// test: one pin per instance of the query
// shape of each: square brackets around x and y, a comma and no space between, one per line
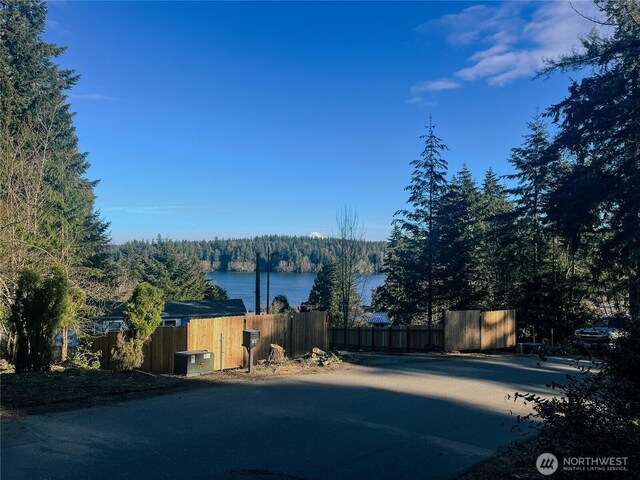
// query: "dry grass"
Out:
[63,389]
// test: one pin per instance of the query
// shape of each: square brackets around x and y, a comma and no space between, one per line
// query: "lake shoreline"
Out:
[296,286]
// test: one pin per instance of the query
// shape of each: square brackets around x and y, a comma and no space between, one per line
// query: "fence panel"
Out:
[498,329]
[394,338]
[297,333]
[221,336]
[461,330]
[308,330]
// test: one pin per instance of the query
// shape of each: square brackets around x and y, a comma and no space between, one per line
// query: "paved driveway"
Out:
[396,417]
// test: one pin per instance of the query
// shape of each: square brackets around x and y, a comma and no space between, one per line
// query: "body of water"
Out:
[296,286]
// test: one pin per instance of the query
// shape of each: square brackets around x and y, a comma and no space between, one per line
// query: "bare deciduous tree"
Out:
[350,233]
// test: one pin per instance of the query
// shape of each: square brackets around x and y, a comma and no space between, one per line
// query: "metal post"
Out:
[268,275]
[257,284]
[250,359]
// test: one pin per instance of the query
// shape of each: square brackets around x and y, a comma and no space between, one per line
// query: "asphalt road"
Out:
[396,417]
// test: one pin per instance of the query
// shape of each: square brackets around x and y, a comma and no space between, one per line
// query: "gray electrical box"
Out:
[192,362]
[250,338]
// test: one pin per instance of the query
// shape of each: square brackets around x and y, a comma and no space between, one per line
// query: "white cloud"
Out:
[434,86]
[90,96]
[514,38]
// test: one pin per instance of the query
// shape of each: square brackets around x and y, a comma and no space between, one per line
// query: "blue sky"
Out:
[238,119]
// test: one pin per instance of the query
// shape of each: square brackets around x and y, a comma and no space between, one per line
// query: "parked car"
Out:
[602,334]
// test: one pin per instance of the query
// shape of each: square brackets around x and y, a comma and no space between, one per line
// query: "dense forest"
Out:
[560,241]
[288,253]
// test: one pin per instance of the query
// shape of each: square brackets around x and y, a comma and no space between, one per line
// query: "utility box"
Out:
[250,338]
[193,362]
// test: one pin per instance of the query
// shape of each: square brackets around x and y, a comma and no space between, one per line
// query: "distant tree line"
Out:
[288,253]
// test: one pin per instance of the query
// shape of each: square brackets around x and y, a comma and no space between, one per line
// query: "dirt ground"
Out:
[71,388]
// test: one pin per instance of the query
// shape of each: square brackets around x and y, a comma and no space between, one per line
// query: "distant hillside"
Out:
[289,254]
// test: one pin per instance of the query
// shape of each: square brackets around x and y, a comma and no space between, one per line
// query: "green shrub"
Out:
[40,307]
[142,314]
[127,355]
[597,413]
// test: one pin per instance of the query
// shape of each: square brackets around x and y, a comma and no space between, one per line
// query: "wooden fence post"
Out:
[373,338]
[480,328]
[408,349]
[359,338]
[290,346]
[444,330]
[390,332]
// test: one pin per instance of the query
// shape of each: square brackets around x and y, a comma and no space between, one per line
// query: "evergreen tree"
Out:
[280,304]
[496,254]
[396,296]
[143,315]
[213,291]
[599,129]
[427,186]
[47,215]
[532,163]
[459,233]
[180,277]
[324,294]
[41,306]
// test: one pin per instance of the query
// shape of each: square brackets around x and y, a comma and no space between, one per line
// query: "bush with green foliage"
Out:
[597,413]
[84,358]
[127,354]
[40,307]
[142,315]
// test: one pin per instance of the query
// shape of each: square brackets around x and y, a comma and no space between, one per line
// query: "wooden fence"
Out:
[477,330]
[409,338]
[297,333]
[460,330]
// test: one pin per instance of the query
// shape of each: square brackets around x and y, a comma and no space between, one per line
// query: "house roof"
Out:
[377,318]
[188,309]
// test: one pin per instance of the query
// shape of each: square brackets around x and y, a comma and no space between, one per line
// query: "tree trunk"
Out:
[64,349]
[634,293]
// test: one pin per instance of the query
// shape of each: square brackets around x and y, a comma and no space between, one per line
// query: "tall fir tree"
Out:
[534,177]
[427,186]
[325,293]
[599,130]
[47,215]
[496,255]
[396,295]
[459,235]
[160,263]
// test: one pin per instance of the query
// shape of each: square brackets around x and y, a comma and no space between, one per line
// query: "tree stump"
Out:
[276,353]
